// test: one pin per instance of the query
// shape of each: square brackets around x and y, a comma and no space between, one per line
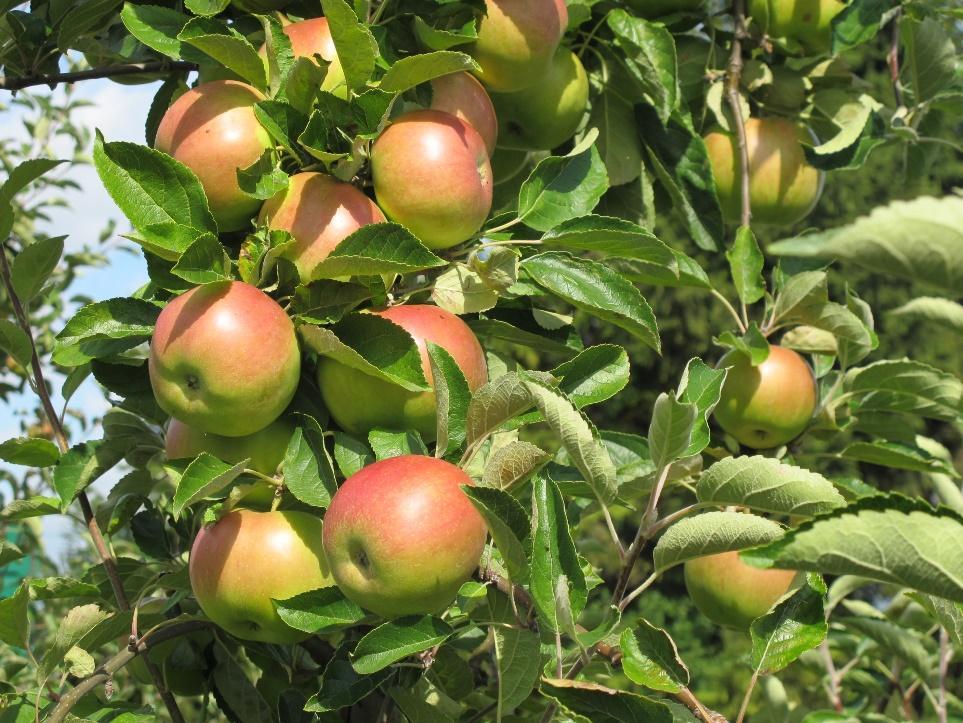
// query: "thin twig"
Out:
[733,80]
[748,696]
[627,600]
[111,71]
[892,58]
[731,309]
[946,655]
[834,696]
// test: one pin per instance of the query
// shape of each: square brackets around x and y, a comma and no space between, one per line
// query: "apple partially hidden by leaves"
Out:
[731,593]
[807,22]
[359,402]
[432,174]
[212,130]
[548,114]
[783,187]
[461,95]
[224,359]
[265,448]
[766,405]
[319,212]
[402,537]
[313,37]
[247,559]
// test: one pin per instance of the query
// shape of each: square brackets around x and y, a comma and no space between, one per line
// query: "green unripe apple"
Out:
[546,115]
[402,537]
[265,448]
[807,22]
[431,173]
[246,559]
[359,402]
[224,359]
[212,130]
[767,405]
[517,40]
[461,95]
[658,8]
[319,212]
[731,593]
[783,187]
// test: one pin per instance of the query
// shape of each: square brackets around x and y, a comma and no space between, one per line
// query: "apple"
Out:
[767,405]
[731,593]
[313,37]
[546,115]
[265,448]
[402,537]
[359,402]
[224,359]
[319,212]
[658,8]
[788,89]
[464,97]
[431,174]
[783,187]
[807,22]
[212,130]
[246,559]
[517,40]
[181,661]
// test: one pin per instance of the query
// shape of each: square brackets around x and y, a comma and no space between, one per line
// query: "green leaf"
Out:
[886,538]
[204,262]
[513,464]
[897,456]
[351,455]
[157,28]
[929,57]
[453,397]
[767,485]
[342,686]
[649,56]
[58,588]
[414,70]
[372,345]
[15,342]
[105,328]
[618,144]
[31,507]
[327,301]
[944,312]
[596,289]
[33,266]
[508,524]
[562,188]
[460,290]
[9,552]
[30,452]
[23,175]
[650,658]
[81,465]
[903,643]
[701,385]
[417,707]
[948,614]
[598,704]
[228,47]
[670,431]
[308,469]
[802,297]
[793,626]
[356,46]
[594,375]
[746,263]
[858,23]
[14,623]
[72,630]
[397,639]
[283,122]
[578,436]
[497,402]
[264,178]
[204,477]
[557,583]
[711,533]
[234,691]
[906,386]
[519,661]
[375,249]
[321,611]
[611,237]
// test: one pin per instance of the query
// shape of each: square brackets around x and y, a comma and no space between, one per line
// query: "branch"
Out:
[110,71]
[105,671]
[745,701]
[106,558]
[733,80]
[946,655]
[892,58]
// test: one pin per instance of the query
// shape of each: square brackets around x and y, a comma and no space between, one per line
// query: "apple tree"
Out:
[364,455]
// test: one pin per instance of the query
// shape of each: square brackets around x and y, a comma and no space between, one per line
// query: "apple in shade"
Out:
[766,405]
[265,448]
[319,212]
[212,130]
[808,22]
[783,187]
[461,95]
[731,593]
[246,559]
[546,115]
[402,537]
[517,40]
[431,173]
[359,402]
[224,359]
[313,37]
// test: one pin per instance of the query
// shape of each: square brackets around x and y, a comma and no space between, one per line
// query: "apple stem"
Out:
[748,696]
[731,309]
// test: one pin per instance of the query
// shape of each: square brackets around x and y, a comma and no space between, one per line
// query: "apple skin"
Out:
[783,187]
[265,448]
[545,116]
[313,37]
[461,95]
[808,22]
[517,40]
[224,359]
[402,537]
[240,563]
[359,402]
[658,8]
[768,405]
[731,593]
[432,174]
[212,130]
[319,212]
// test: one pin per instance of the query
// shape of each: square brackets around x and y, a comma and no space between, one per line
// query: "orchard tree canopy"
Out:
[499,360]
